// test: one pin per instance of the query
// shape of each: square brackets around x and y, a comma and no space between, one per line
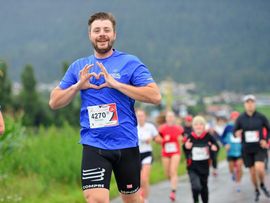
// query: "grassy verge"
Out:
[44,165]
[262,109]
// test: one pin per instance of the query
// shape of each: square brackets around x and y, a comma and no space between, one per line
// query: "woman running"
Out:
[146,132]
[170,136]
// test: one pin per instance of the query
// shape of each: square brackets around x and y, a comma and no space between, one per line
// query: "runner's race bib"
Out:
[200,153]
[102,115]
[252,136]
[170,147]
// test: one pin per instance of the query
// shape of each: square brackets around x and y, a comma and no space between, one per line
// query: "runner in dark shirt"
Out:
[250,126]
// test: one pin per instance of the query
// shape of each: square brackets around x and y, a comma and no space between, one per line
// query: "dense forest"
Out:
[218,44]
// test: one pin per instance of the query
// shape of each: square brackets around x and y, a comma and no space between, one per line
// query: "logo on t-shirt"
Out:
[116,75]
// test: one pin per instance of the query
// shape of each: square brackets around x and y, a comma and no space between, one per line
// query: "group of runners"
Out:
[109,82]
[117,139]
[245,139]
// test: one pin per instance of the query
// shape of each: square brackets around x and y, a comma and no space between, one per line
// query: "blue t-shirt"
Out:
[234,142]
[120,128]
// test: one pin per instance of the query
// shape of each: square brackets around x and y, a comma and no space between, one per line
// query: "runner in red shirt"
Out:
[170,136]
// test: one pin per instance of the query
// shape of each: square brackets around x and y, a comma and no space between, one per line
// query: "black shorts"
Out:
[98,164]
[146,158]
[233,158]
[251,158]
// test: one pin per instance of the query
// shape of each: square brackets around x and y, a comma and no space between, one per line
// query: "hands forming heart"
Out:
[85,76]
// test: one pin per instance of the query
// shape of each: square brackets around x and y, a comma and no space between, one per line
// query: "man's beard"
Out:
[103,50]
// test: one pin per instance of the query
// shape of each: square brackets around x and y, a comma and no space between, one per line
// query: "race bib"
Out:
[235,139]
[200,153]
[252,136]
[170,147]
[102,115]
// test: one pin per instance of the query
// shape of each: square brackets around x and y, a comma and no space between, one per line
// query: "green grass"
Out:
[44,165]
[262,109]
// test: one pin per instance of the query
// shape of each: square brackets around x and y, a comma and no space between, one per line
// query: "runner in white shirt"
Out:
[146,133]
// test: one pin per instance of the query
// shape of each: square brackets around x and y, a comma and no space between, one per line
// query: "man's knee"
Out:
[96,196]
[131,198]
[259,165]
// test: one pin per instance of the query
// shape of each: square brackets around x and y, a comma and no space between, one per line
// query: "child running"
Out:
[233,147]
[197,149]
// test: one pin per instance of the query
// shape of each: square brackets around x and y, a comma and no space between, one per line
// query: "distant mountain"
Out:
[217,44]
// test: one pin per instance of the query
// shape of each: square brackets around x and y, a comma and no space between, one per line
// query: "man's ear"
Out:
[115,35]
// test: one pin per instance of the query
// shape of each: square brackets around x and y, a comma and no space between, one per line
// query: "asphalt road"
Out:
[221,189]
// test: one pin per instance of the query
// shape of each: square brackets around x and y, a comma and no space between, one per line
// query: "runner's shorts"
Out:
[98,164]
[233,158]
[251,158]
[146,158]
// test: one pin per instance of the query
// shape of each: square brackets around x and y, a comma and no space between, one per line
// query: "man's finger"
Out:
[102,67]
[98,87]
[100,74]
[103,85]
[93,86]
[86,69]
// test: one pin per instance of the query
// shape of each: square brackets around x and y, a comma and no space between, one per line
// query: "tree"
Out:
[29,99]
[5,86]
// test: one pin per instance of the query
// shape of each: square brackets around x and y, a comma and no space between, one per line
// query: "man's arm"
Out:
[2,124]
[267,126]
[61,97]
[265,142]
[149,93]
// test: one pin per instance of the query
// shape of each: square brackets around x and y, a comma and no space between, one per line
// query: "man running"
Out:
[109,82]
[2,123]
[250,126]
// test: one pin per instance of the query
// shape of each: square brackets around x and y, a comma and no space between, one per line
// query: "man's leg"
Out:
[260,170]
[97,195]
[249,161]
[127,169]
[253,176]
[132,198]
[96,175]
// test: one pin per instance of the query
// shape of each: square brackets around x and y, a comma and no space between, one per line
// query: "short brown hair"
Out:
[102,16]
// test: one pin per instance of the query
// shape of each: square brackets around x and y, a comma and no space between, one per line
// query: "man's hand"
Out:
[214,148]
[264,144]
[85,76]
[109,80]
